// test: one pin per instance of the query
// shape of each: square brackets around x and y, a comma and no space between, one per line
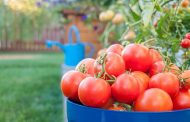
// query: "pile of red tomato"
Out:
[132,78]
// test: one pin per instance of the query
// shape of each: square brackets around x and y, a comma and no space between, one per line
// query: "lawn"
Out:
[29,89]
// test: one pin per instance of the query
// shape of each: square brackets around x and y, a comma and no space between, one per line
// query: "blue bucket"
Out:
[79,113]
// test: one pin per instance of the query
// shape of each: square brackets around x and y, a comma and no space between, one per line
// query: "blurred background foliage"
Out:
[161,23]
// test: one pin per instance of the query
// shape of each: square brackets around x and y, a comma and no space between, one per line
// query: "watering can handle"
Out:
[92,49]
[77,34]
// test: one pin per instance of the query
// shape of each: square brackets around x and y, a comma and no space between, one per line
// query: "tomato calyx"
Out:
[82,68]
[126,107]
[169,66]
[183,82]
[103,74]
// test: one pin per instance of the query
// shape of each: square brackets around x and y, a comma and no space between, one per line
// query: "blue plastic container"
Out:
[80,113]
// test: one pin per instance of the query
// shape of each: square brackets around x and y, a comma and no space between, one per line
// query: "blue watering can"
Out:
[74,52]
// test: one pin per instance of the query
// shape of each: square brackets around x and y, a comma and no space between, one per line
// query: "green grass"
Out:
[29,89]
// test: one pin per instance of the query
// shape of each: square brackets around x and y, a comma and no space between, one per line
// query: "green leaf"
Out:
[148,10]
[134,14]
[133,2]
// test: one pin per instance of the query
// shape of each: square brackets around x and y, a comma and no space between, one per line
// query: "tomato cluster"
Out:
[128,78]
[185,43]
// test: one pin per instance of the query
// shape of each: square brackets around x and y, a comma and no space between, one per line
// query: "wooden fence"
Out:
[36,44]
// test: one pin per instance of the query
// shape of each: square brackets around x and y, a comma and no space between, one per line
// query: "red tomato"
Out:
[156,68]
[185,3]
[159,66]
[115,48]
[187,36]
[182,100]
[108,104]
[174,69]
[153,100]
[136,57]
[186,76]
[142,79]
[165,81]
[89,65]
[125,89]
[117,108]
[185,43]
[70,83]
[94,92]
[114,64]
[155,55]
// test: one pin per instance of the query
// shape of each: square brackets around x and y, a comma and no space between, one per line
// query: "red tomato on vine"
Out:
[137,57]
[115,48]
[94,92]
[125,89]
[153,100]
[70,83]
[88,64]
[165,81]
[114,64]
[182,100]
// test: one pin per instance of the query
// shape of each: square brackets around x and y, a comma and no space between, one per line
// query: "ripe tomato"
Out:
[174,69]
[114,64]
[185,3]
[109,103]
[117,108]
[153,100]
[182,100]
[185,43]
[142,79]
[186,76]
[159,66]
[70,83]
[125,89]
[155,55]
[187,36]
[94,92]
[115,48]
[156,68]
[89,65]
[136,57]
[165,81]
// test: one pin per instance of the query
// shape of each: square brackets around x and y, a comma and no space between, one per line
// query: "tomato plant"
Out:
[165,81]
[125,89]
[136,57]
[153,100]
[94,92]
[87,64]
[182,100]
[112,63]
[70,83]
[142,79]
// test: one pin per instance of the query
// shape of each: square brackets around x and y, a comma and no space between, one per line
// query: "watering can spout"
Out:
[50,43]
